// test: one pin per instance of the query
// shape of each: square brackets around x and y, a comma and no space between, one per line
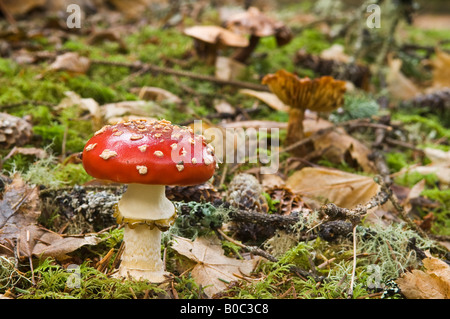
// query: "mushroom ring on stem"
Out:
[147,155]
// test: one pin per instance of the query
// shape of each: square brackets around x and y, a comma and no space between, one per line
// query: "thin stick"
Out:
[181,73]
[352,281]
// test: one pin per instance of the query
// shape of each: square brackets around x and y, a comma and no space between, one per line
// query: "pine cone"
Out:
[288,201]
[245,192]
[14,131]
[438,101]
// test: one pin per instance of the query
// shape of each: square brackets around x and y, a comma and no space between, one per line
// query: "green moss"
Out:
[55,282]
[429,125]
[356,106]
[409,179]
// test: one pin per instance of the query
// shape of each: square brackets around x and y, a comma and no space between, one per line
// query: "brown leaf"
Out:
[337,145]
[441,65]
[19,208]
[268,98]
[343,189]
[399,86]
[433,283]
[440,165]
[40,242]
[71,62]
[212,266]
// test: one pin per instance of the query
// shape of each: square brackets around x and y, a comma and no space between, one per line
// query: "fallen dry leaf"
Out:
[42,243]
[151,93]
[213,269]
[343,189]
[228,68]
[19,208]
[440,165]
[87,104]
[113,112]
[337,145]
[268,98]
[441,65]
[433,283]
[413,193]
[71,62]
[399,86]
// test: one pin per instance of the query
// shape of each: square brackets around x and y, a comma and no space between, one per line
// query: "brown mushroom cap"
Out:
[323,94]
[216,35]
[149,152]
[256,23]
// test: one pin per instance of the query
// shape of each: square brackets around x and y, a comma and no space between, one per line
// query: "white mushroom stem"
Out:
[142,255]
[145,202]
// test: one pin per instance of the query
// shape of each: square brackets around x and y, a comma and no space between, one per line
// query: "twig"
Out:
[259,252]
[24,102]
[253,250]
[352,281]
[157,69]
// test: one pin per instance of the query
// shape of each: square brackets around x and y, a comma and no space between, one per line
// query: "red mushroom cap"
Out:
[149,152]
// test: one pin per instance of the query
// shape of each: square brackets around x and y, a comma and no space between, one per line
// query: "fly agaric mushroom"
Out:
[256,24]
[147,155]
[209,39]
[323,94]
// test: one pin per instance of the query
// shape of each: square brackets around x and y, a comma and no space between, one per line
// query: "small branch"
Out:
[259,252]
[157,69]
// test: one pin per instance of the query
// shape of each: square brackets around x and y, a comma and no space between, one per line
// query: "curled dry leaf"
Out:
[212,269]
[399,86]
[440,165]
[40,242]
[114,112]
[343,189]
[268,98]
[433,283]
[87,104]
[71,62]
[150,93]
[441,65]
[338,146]
[19,208]
[228,68]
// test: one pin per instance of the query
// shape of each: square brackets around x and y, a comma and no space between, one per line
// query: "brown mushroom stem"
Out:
[295,131]
[206,51]
[243,54]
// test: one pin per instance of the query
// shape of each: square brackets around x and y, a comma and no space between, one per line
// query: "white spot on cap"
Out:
[142,169]
[101,130]
[90,147]
[142,148]
[159,153]
[136,137]
[180,167]
[106,154]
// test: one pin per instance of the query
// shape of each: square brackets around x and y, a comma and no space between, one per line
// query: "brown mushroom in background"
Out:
[256,24]
[323,94]
[209,39]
